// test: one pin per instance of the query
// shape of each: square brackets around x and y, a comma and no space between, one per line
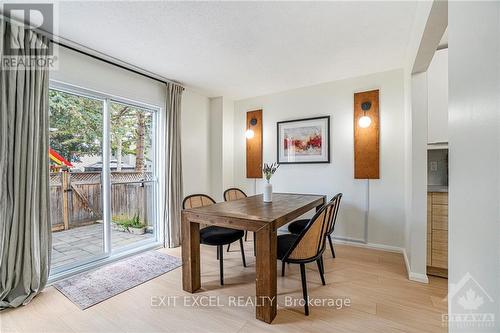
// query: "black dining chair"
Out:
[296,227]
[308,246]
[232,194]
[215,235]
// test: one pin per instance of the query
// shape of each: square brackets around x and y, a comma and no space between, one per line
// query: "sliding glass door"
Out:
[133,176]
[76,205]
[103,183]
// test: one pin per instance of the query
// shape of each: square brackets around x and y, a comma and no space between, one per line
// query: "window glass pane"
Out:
[133,182]
[76,131]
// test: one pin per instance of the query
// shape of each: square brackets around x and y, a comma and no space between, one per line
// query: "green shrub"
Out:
[136,222]
[126,221]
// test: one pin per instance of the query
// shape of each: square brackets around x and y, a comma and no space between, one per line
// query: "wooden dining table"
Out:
[252,214]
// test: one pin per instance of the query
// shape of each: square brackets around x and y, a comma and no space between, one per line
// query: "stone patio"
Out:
[84,242]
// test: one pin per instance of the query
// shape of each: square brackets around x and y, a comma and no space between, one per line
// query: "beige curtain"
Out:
[25,239]
[173,166]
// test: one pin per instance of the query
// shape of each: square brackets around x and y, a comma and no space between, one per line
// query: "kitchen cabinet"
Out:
[437,234]
[437,98]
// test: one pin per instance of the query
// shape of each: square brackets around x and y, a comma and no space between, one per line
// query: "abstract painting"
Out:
[304,140]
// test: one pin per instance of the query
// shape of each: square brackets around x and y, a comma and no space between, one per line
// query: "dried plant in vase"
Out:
[268,171]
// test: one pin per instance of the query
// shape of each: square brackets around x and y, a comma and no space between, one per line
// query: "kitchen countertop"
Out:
[437,188]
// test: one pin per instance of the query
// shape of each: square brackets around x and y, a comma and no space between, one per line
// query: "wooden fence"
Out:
[76,198]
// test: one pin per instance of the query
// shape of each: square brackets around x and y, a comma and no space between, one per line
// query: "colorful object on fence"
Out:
[54,156]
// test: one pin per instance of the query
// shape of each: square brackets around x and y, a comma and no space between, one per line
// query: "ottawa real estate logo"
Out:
[471,307]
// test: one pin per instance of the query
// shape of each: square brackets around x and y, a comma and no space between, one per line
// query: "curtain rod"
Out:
[111,62]
[118,63]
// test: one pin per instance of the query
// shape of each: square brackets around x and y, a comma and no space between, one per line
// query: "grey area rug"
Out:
[89,288]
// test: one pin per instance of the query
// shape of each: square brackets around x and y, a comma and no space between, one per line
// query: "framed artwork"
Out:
[304,141]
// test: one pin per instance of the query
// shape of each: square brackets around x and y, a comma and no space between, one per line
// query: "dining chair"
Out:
[232,194]
[296,227]
[308,246]
[215,235]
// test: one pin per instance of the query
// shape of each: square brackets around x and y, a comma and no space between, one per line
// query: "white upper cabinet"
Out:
[437,85]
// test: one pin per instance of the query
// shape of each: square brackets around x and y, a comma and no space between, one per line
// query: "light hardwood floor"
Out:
[382,300]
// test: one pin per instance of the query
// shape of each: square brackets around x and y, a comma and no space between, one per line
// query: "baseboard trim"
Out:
[417,277]
[360,243]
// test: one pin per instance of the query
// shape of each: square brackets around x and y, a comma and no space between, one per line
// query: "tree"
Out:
[139,150]
[118,131]
[130,126]
[76,124]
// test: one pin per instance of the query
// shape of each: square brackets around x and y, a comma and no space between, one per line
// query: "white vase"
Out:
[268,192]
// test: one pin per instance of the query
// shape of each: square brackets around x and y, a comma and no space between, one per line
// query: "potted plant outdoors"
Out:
[136,227]
[268,171]
[119,223]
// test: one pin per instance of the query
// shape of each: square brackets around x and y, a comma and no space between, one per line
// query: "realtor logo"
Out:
[34,16]
[471,301]
[470,296]
[24,19]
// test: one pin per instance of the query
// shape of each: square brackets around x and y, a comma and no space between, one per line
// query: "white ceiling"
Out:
[244,49]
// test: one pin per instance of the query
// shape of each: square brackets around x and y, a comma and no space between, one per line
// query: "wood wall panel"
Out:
[254,145]
[366,140]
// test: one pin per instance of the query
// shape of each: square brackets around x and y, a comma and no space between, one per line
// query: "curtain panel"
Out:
[25,239]
[173,166]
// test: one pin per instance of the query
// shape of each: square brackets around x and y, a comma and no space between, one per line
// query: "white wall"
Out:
[386,223]
[195,134]
[216,149]
[227,143]
[437,84]
[419,27]
[418,180]
[221,146]
[474,151]
[408,163]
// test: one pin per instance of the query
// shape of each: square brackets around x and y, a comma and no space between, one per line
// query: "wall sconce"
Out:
[254,144]
[366,123]
[365,120]
[249,132]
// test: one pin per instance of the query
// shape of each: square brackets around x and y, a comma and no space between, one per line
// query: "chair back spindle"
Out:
[234,194]
[197,200]
[336,205]
[311,242]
